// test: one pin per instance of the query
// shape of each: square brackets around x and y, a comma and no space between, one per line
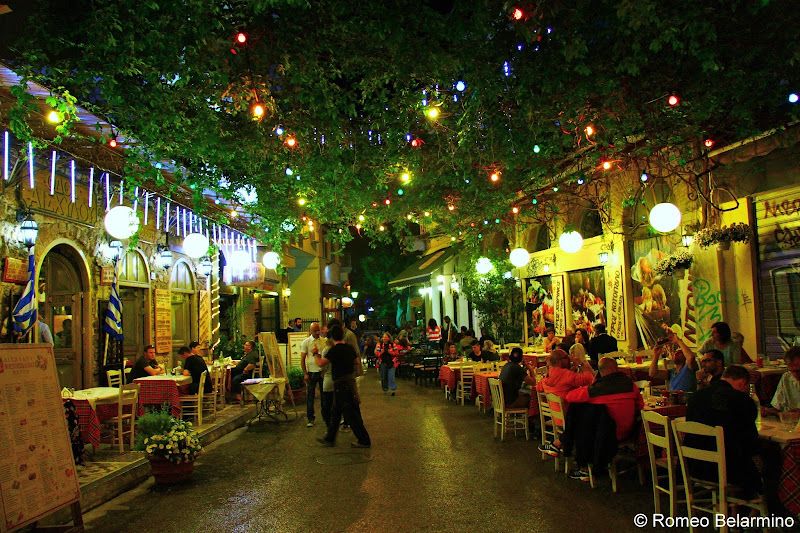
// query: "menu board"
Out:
[615,298]
[559,305]
[37,470]
[204,322]
[296,339]
[163,320]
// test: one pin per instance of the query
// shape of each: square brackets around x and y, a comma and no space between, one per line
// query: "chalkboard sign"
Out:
[37,470]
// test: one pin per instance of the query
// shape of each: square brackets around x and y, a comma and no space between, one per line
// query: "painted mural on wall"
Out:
[656,299]
[539,305]
[587,290]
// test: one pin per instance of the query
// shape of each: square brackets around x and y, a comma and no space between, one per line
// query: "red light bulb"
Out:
[515,210]
[241,38]
[112,143]
[709,143]
[673,100]
[387,201]
[518,14]
[416,143]
[374,204]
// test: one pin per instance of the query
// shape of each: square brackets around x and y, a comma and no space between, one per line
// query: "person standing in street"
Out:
[342,358]
[313,344]
[387,360]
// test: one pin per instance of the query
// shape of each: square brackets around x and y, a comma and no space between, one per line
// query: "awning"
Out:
[420,272]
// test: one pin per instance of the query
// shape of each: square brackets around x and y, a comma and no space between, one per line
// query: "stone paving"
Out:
[434,466]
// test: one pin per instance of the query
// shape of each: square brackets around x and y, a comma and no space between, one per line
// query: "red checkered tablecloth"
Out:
[789,482]
[480,385]
[670,411]
[90,420]
[158,393]
[449,377]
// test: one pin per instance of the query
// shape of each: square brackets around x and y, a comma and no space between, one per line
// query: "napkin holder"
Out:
[66,392]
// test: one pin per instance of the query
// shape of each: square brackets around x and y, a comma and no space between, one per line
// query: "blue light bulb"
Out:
[279,131]
[644,177]
[580,181]
[289,171]
[460,85]
[793,98]
[536,149]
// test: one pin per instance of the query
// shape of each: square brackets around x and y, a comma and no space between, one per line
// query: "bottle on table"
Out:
[754,397]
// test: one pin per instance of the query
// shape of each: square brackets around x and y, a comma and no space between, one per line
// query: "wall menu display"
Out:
[163,320]
[615,298]
[37,470]
[559,305]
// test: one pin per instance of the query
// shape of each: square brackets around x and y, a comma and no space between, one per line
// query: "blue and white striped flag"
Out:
[25,312]
[113,323]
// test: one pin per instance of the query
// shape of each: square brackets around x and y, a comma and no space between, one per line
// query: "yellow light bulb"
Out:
[427,214]
[301,201]
[433,112]
[258,110]
[361,218]
[606,165]
[409,217]
[53,117]
[234,214]
[589,130]
[358,226]
[405,177]
[381,228]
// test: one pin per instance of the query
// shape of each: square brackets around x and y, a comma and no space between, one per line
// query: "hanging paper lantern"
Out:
[121,222]
[483,265]
[665,217]
[570,241]
[271,260]
[195,245]
[519,257]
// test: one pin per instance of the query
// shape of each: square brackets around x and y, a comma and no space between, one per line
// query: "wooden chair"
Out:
[125,422]
[210,400]
[661,449]
[546,423]
[644,386]
[222,389]
[464,385]
[127,373]
[721,492]
[257,371]
[192,404]
[114,378]
[625,453]
[507,419]
[558,419]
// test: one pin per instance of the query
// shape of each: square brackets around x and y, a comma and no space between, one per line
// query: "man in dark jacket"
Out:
[725,403]
[602,343]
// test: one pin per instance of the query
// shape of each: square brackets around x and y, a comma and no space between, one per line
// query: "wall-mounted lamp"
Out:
[687,239]
[115,249]
[165,257]
[456,286]
[603,257]
[28,229]
[287,292]
[206,266]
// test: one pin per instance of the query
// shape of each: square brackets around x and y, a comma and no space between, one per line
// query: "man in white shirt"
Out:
[787,397]
[45,335]
[313,344]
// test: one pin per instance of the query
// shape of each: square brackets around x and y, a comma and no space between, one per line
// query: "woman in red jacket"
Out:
[387,361]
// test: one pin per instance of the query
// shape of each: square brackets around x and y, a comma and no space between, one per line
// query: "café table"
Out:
[93,406]
[269,393]
[449,376]
[765,380]
[160,390]
[480,386]
[789,480]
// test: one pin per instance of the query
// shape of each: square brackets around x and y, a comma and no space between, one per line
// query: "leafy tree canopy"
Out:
[354,83]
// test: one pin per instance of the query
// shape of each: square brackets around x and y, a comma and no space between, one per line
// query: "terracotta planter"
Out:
[723,245]
[167,472]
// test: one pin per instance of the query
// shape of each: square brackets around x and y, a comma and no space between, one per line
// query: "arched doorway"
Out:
[184,305]
[134,285]
[60,295]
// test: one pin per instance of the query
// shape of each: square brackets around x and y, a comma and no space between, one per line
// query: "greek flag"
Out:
[26,311]
[113,323]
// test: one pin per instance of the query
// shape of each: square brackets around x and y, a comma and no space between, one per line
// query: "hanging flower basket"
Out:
[722,237]
[674,264]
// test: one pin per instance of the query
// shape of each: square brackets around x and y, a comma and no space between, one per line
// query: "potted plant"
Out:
[171,445]
[722,237]
[294,375]
[674,264]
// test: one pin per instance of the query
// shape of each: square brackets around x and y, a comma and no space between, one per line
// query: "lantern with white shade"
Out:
[121,222]
[665,217]
[271,260]
[195,245]
[519,257]
[483,265]
[570,241]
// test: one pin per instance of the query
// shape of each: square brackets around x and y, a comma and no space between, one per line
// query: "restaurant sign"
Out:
[163,320]
[60,203]
[15,270]
[250,276]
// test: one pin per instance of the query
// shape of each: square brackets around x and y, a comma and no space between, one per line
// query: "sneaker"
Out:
[359,445]
[310,424]
[345,427]
[579,473]
[392,393]
[325,442]
[550,449]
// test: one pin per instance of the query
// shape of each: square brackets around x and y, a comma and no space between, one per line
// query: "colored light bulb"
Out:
[460,85]
[241,38]
[673,100]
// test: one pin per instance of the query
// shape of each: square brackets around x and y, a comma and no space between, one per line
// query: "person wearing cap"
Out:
[517,378]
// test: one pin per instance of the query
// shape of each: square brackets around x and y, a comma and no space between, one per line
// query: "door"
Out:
[268,313]
[133,321]
[181,321]
[61,293]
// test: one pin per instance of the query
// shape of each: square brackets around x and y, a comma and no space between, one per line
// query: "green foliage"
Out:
[228,348]
[151,423]
[294,374]
[355,71]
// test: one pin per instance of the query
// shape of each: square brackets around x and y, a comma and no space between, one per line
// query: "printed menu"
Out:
[37,470]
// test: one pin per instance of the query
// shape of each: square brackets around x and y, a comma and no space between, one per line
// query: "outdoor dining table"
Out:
[449,375]
[480,386]
[765,380]
[160,390]
[93,406]
[270,404]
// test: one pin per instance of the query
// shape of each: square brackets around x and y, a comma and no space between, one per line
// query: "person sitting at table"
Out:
[722,340]
[738,338]
[485,336]
[488,353]
[488,346]
[712,363]
[450,353]
[476,355]
[244,370]
[517,378]
[466,342]
[684,375]
[578,349]
[622,400]
[194,365]
[146,365]
[550,340]
[787,395]
[726,403]
[564,374]
[602,343]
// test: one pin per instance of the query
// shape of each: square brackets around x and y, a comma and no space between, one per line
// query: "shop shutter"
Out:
[778,239]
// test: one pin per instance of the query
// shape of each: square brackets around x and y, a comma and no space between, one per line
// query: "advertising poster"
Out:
[588,291]
[656,299]
[539,306]
[616,303]
[559,305]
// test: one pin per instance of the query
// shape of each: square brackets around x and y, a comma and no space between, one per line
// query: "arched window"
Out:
[591,225]
[542,239]
[133,270]
[182,279]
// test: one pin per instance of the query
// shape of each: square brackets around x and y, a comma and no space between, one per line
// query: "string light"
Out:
[589,131]
[409,216]
[112,143]
[381,227]
[644,177]
[361,218]
[258,110]
[427,213]
[451,207]
[495,177]
[581,181]
[793,98]
[518,14]
[673,100]
[708,143]
[405,177]
[301,201]
[54,117]
[460,85]
[290,142]
[279,130]
[387,201]
[606,165]
[515,210]
[536,149]
[433,112]
[241,38]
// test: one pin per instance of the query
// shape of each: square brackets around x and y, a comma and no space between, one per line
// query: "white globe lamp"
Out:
[483,265]
[519,257]
[570,241]
[271,260]
[347,302]
[121,222]
[195,245]
[362,318]
[665,217]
